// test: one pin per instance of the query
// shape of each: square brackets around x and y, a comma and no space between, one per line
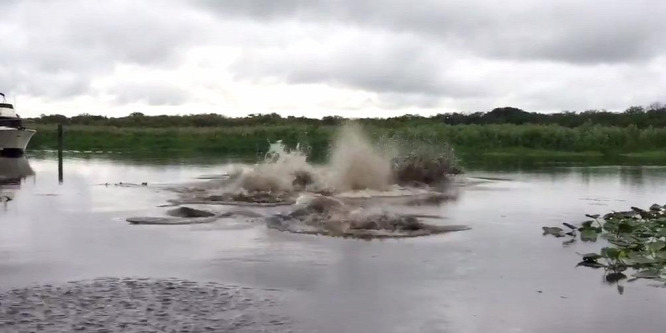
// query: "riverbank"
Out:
[478,140]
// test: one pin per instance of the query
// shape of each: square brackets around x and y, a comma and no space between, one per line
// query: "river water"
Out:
[500,276]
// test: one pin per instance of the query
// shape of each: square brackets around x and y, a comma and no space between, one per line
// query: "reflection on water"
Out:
[12,172]
[501,276]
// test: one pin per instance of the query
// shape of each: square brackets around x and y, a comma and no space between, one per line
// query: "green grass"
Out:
[530,152]
[658,155]
[468,140]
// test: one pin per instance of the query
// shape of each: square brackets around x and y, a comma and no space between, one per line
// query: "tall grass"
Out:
[254,140]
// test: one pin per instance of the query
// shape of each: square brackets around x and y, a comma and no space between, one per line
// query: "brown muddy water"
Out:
[500,276]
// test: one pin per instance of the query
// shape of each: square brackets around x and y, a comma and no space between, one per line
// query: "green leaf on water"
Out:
[625,227]
[588,235]
[569,242]
[570,226]
[636,241]
[657,246]
[647,274]
[610,253]
[591,256]
[614,277]
[640,259]
[585,225]
[591,264]
[619,242]
[555,231]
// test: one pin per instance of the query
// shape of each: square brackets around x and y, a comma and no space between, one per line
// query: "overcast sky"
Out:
[351,58]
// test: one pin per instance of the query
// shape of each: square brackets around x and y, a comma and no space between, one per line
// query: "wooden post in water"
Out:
[60,147]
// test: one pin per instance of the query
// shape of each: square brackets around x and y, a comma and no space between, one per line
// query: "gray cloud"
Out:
[57,48]
[399,68]
[383,54]
[568,30]
[151,93]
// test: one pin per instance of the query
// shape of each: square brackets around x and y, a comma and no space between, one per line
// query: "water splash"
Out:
[356,168]
[282,170]
[356,164]
[345,197]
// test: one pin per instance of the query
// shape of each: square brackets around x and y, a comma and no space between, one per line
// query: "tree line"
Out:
[638,116]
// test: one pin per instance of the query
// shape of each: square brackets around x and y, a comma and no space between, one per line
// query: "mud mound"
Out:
[189,212]
[331,217]
[241,198]
[139,305]
[187,215]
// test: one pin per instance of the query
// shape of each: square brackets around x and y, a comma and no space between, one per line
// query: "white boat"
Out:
[14,138]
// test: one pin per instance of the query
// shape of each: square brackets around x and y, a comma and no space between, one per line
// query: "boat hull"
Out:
[13,142]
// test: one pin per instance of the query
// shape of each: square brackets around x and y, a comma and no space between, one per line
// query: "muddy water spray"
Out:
[355,164]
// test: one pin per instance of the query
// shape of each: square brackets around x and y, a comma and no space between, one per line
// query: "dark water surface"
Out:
[501,276]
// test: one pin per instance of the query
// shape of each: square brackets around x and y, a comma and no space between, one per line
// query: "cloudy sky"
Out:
[337,57]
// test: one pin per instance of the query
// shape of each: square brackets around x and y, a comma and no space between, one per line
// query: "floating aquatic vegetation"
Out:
[636,240]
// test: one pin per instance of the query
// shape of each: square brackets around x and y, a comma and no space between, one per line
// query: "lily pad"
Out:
[591,256]
[591,264]
[647,274]
[640,259]
[610,252]
[588,235]
[614,277]
[636,244]
[570,226]
[637,210]
[555,231]
[657,246]
[569,242]
[586,225]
